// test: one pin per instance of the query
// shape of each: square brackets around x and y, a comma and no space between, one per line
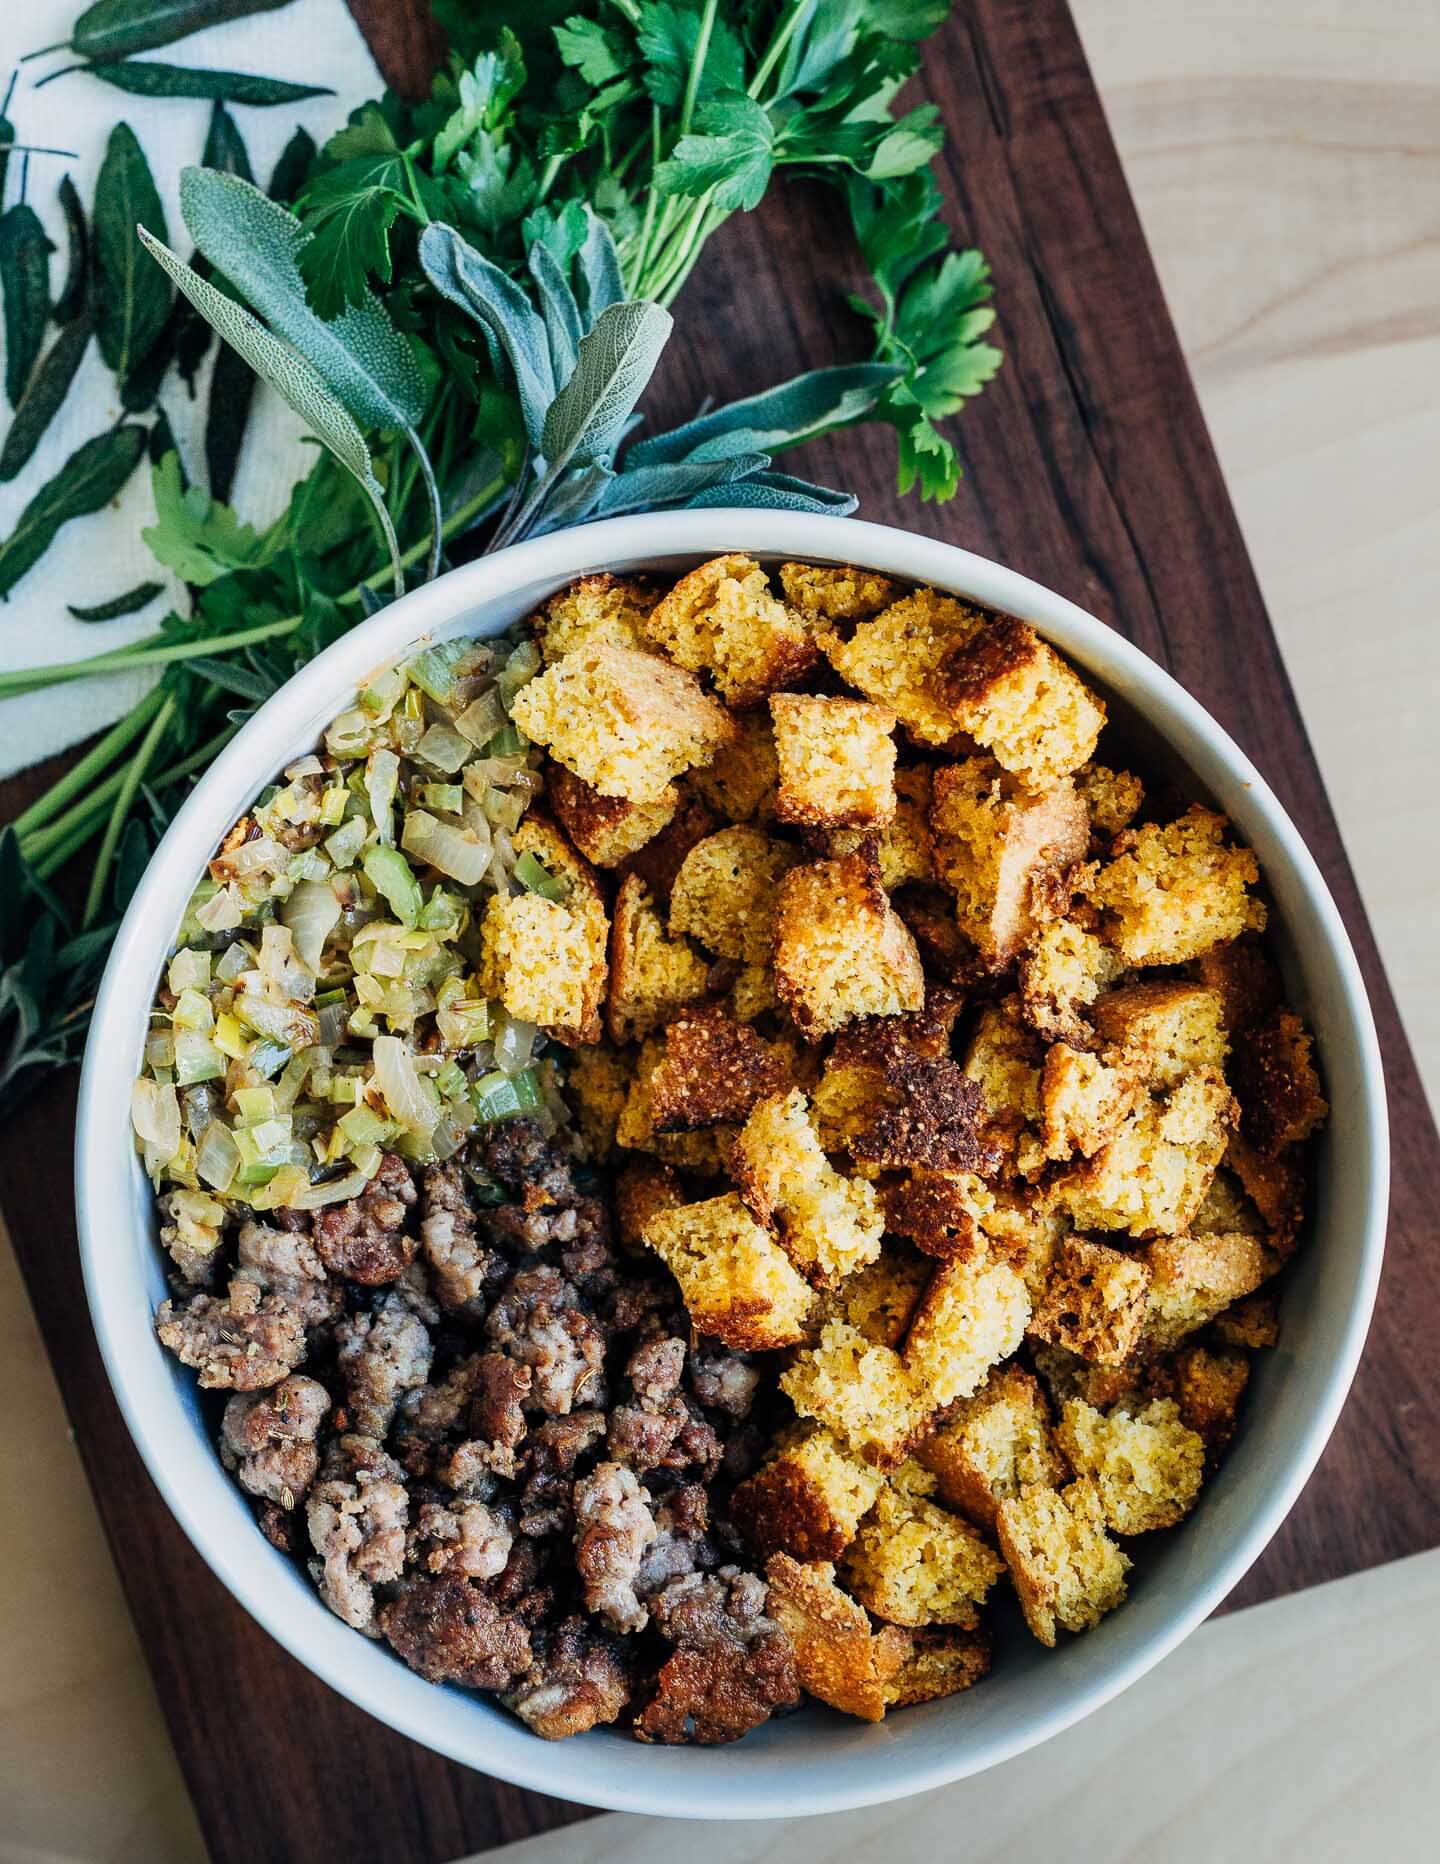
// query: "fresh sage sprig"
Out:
[25,282]
[147,77]
[132,298]
[90,478]
[118,28]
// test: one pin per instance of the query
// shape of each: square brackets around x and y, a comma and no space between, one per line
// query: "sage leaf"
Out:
[776,491]
[224,149]
[778,417]
[227,414]
[148,78]
[563,328]
[616,359]
[116,28]
[295,162]
[649,488]
[44,394]
[601,281]
[25,281]
[71,301]
[133,600]
[291,376]
[514,333]
[574,499]
[225,146]
[132,298]
[90,478]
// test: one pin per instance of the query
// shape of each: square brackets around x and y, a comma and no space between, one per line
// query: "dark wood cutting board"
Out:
[1088,467]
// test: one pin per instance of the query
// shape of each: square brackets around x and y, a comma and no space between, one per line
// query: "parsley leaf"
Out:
[669,36]
[194,534]
[734,156]
[599,56]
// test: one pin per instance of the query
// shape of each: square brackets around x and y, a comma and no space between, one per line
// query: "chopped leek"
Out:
[389,873]
[535,877]
[505,1096]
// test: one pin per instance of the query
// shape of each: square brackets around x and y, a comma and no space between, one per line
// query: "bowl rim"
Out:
[250,760]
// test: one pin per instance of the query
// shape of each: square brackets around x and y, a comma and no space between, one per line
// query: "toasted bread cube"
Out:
[1061,975]
[894,658]
[971,1317]
[1194,1278]
[808,1500]
[1066,1375]
[1025,1228]
[1096,1302]
[722,619]
[735,1280]
[994,1445]
[945,1659]
[880,1301]
[713,1070]
[914,1564]
[1276,1084]
[546,959]
[1226,1208]
[1180,1024]
[1172,894]
[839,1658]
[1151,1178]
[995,847]
[627,723]
[606,829]
[1209,1386]
[836,760]
[1253,1322]
[703,1152]
[1146,1466]
[904,848]
[1011,692]
[942,1212]
[1064,1566]
[652,976]
[841,951]
[837,592]
[1247,983]
[598,1083]
[1007,1064]
[929,911]
[1113,798]
[1085,1098]
[726,893]
[606,609]
[643,1188]
[740,785]
[1275,1186]
[830,1226]
[662,857]
[859,1391]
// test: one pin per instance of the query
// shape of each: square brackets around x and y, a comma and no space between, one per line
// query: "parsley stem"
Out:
[134,777]
[547,178]
[777,47]
[98,758]
[652,201]
[697,65]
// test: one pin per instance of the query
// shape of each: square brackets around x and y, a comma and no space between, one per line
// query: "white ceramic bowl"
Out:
[816,1761]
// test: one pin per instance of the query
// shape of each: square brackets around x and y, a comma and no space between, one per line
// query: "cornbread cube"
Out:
[1194,1278]
[1147,1467]
[904,847]
[1226,1208]
[1276,1084]
[1152,1177]
[703,1152]
[1247,983]
[1113,798]
[941,1212]
[598,1082]
[971,1316]
[839,1658]
[841,951]
[861,1392]
[1096,1302]
[808,1499]
[1275,1186]
[929,911]
[734,1279]
[994,1445]
[1061,975]
[752,995]
[726,893]
[829,1226]
[713,1070]
[643,1188]
[722,619]
[545,959]
[894,658]
[1209,1386]
[872,1065]
[1085,1098]
[652,976]
[836,760]
[662,857]
[836,592]
[1007,1064]
[741,783]
[945,1658]
[880,1301]
[1013,693]
[1173,893]
[606,829]
[606,609]
[1065,1568]
[914,1564]
[1253,1322]
[1024,1228]
[1066,1375]
[1180,1024]
[628,723]
[995,847]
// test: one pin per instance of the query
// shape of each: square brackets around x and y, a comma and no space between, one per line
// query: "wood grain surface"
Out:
[1088,467]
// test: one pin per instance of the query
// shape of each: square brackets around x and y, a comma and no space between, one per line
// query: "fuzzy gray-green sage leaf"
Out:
[90,478]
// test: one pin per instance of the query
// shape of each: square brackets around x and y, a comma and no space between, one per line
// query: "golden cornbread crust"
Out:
[942,1063]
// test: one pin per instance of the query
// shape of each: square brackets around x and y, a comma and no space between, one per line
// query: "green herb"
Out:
[25,282]
[71,301]
[47,389]
[195,535]
[132,299]
[116,28]
[141,596]
[90,478]
[148,78]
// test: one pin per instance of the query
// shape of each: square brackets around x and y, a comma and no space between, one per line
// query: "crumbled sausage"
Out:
[732,1667]
[469,1538]
[554,1450]
[462,1268]
[268,1439]
[244,1343]
[283,1262]
[576,1681]
[380,1355]
[452,1631]
[724,1382]
[364,1239]
[613,1527]
[538,1322]
[357,1514]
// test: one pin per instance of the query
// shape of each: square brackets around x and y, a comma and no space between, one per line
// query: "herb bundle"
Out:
[464,300]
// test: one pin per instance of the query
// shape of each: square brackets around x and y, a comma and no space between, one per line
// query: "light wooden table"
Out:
[1286,161]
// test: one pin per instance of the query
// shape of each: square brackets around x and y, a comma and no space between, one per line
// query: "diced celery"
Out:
[189,970]
[383,693]
[535,877]
[505,808]
[389,873]
[521,667]
[230,1038]
[506,743]
[255,1104]
[382,776]
[193,1011]
[268,1058]
[434,670]
[448,798]
[444,914]
[444,747]
[238,956]
[363,1126]
[257,1174]
[451,1080]
[480,720]
[332,805]
[345,844]
[344,1089]
[503,1096]
[196,1058]
[348,735]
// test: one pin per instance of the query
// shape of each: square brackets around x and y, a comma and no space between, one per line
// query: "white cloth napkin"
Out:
[95,558]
